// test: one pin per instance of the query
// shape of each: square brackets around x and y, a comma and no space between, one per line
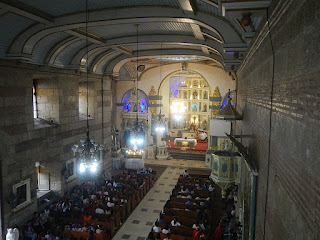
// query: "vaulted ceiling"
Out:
[59,33]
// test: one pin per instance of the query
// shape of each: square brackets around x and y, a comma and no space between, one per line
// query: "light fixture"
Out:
[137,128]
[89,153]
[178,109]
[160,121]
[228,112]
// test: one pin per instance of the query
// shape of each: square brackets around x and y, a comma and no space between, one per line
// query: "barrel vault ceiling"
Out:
[57,33]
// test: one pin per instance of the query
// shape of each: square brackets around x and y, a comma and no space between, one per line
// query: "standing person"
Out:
[218,232]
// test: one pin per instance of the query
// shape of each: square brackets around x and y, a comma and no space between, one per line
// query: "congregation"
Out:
[194,211]
[92,210]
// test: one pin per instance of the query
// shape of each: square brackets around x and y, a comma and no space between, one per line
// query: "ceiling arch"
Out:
[183,25]
[112,66]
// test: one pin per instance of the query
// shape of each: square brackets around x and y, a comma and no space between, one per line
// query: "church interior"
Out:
[160,119]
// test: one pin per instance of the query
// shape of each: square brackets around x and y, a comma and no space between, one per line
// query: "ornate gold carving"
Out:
[153,92]
[216,93]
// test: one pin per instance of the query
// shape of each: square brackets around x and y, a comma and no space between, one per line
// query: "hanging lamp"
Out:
[228,112]
[88,152]
[137,128]
[160,121]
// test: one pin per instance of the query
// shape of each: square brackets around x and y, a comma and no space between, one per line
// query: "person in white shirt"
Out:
[110,204]
[186,174]
[166,229]
[175,222]
[99,210]
[156,228]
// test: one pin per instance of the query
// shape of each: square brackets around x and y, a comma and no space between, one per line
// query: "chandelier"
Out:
[160,121]
[138,127]
[88,153]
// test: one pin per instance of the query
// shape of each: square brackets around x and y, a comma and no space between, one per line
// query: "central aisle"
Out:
[139,223]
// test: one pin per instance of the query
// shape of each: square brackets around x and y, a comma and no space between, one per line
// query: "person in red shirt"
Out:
[197,233]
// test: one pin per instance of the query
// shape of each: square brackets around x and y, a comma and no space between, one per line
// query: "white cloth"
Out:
[191,142]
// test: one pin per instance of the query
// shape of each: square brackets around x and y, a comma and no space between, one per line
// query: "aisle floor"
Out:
[140,222]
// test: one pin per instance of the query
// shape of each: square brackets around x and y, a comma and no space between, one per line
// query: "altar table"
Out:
[181,142]
[134,163]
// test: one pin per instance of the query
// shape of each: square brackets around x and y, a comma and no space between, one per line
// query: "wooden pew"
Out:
[173,236]
[82,235]
[184,221]
[107,226]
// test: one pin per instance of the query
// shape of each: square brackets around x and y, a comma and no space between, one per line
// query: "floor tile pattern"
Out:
[139,223]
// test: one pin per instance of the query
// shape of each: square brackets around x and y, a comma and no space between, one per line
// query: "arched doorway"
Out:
[134,106]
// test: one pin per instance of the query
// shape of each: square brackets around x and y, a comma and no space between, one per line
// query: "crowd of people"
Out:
[78,210]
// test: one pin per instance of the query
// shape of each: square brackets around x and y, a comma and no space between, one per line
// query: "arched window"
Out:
[130,100]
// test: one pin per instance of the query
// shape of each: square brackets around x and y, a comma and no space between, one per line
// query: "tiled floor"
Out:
[183,164]
[139,223]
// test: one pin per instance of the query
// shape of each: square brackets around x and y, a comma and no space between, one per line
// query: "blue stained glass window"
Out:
[131,106]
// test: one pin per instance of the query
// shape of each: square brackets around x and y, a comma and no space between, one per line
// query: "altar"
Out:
[134,163]
[182,142]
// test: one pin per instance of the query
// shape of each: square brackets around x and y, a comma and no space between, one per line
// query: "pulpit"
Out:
[225,169]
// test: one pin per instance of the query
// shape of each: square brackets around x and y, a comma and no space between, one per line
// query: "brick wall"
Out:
[22,143]
[288,184]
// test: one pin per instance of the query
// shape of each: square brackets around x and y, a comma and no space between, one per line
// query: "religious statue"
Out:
[195,94]
[163,143]
[12,234]
[205,108]
[151,140]
[205,95]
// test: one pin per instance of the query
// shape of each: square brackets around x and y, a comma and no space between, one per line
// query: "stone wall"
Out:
[282,114]
[25,141]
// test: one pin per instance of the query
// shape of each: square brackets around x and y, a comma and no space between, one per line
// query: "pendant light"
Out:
[160,122]
[89,153]
[137,128]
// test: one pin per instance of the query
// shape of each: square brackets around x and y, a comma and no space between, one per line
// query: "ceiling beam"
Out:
[84,35]
[26,11]
[123,49]
[109,65]
[197,31]
[229,6]
[205,50]
[186,6]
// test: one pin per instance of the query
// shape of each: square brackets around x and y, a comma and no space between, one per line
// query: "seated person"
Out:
[156,228]
[99,210]
[28,232]
[197,233]
[166,229]
[175,222]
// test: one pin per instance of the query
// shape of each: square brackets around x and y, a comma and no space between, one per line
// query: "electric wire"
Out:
[270,124]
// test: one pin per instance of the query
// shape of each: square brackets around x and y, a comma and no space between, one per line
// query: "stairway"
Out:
[198,156]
